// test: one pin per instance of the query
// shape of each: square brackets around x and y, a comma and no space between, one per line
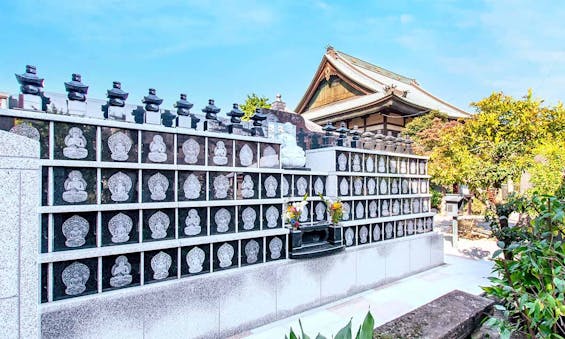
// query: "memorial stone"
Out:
[328,140]
[235,126]
[152,102]
[342,137]
[355,133]
[76,103]
[183,107]
[212,124]
[31,86]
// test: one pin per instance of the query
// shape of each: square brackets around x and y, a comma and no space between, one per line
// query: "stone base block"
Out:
[117,113]
[184,121]
[30,102]
[77,108]
[153,118]
[214,126]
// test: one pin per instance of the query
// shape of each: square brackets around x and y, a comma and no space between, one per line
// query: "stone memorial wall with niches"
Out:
[385,195]
[126,205]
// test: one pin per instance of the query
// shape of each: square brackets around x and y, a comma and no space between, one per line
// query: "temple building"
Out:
[348,89]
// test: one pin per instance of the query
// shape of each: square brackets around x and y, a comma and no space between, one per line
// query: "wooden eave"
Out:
[324,71]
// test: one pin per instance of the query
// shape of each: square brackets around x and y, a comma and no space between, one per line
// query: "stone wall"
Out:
[19,226]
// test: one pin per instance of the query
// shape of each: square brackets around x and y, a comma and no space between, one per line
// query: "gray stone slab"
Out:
[9,319]
[371,268]
[397,259]
[248,300]
[339,277]
[420,254]
[14,145]
[9,221]
[298,286]
[436,253]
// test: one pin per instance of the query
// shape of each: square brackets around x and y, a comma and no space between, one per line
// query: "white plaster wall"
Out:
[19,225]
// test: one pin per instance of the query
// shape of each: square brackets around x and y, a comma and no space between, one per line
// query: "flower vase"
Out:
[335,237]
[295,238]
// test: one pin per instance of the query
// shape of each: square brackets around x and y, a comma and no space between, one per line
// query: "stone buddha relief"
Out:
[423,186]
[400,228]
[75,188]
[26,130]
[360,210]
[392,165]
[320,211]
[344,187]
[75,277]
[221,186]
[75,230]
[383,186]
[406,206]
[225,255]
[157,149]
[373,209]
[395,207]
[429,224]
[416,205]
[371,185]
[358,186]
[275,247]
[420,226]
[370,165]
[349,236]
[158,186]
[195,259]
[301,186]
[405,188]
[248,216]
[75,143]
[246,155]
[356,163]
[191,150]
[414,186]
[318,186]
[305,215]
[384,208]
[345,209]
[412,166]
[285,186]
[269,158]
[192,187]
[376,233]
[425,205]
[119,226]
[222,219]
[382,165]
[119,185]
[403,165]
[394,186]
[271,187]
[422,166]
[363,234]
[158,224]
[160,264]
[272,216]
[220,154]
[252,251]
[389,229]
[120,145]
[247,185]
[342,162]
[192,223]
[121,272]
[410,227]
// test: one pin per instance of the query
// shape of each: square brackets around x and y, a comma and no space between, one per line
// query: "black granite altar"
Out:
[148,196]
[248,252]
[337,166]
[256,223]
[239,144]
[219,155]
[186,195]
[63,132]
[256,187]
[149,274]
[107,132]
[107,194]
[185,154]
[216,179]
[277,222]
[58,285]
[44,270]
[216,260]
[155,138]
[59,238]
[109,262]
[277,191]
[271,255]
[133,235]
[44,232]
[314,240]
[184,268]
[61,174]
[33,129]
[214,215]
[148,234]
[182,221]
[290,191]
[270,155]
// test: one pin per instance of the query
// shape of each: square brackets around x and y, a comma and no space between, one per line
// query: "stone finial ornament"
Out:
[152,101]
[368,140]
[29,82]
[329,128]
[183,106]
[379,142]
[258,119]
[342,130]
[408,147]
[355,133]
[116,96]
[389,143]
[211,110]
[278,104]
[76,89]
[399,145]
[235,114]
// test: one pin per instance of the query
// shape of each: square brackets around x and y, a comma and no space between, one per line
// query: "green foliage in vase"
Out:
[365,331]
[253,102]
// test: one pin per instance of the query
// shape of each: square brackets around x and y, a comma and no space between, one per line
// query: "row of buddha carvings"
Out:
[364,234]
[76,103]
[379,208]
[359,186]
[80,277]
[370,163]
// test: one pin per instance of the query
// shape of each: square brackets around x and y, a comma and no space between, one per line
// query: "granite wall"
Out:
[19,269]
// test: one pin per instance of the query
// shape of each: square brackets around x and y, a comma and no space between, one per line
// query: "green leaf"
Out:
[304,336]
[292,334]
[319,336]
[496,253]
[366,328]
[344,333]
[559,284]
[501,244]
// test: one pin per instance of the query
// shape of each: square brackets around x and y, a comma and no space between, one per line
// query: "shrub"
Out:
[435,201]
[365,331]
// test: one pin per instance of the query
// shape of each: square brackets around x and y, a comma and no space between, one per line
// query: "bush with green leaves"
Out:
[365,331]
[529,279]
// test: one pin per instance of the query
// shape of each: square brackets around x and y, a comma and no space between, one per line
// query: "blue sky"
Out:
[460,51]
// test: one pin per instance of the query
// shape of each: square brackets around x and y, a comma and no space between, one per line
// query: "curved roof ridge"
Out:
[441,100]
[385,72]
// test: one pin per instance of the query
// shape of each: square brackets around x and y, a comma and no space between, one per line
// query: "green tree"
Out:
[253,102]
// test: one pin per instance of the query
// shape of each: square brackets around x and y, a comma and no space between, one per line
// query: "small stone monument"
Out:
[342,138]
[152,102]
[399,145]
[183,107]
[32,97]
[116,102]
[235,126]
[368,141]
[379,142]
[355,133]
[212,124]
[278,104]
[328,140]
[390,143]
[76,102]
[408,147]
[258,118]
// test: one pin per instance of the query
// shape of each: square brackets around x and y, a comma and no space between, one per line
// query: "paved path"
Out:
[386,302]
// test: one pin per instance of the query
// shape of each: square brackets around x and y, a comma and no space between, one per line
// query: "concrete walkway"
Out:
[386,302]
